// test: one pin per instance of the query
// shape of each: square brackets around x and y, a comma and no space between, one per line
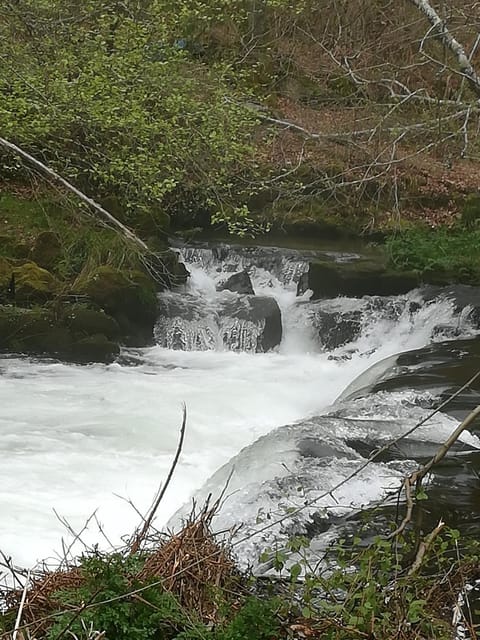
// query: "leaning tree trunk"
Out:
[442,34]
[103,213]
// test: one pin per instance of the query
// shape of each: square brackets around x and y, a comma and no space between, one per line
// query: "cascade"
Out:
[262,375]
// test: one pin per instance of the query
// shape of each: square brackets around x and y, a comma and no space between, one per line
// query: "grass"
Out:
[85,244]
[450,253]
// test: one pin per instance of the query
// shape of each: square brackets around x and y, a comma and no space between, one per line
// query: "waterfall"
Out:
[259,373]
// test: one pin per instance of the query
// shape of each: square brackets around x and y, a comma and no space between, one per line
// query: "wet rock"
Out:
[338,328]
[34,284]
[96,348]
[249,323]
[463,296]
[238,283]
[356,279]
[128,296]
[46,250]
[83,322]
[260,310]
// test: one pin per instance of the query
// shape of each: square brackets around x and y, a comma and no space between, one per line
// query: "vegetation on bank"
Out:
[305,115]
[186,586]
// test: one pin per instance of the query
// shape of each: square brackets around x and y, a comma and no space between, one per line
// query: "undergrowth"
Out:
[84,244]
[357,591]
[443,252]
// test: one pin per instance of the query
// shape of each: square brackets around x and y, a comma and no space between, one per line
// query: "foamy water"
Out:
[79,439]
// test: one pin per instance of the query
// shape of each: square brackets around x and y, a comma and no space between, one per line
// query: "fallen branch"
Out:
[415,478]
[441,33]
[125,231]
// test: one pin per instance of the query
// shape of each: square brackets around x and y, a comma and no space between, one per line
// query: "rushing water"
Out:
[79,439]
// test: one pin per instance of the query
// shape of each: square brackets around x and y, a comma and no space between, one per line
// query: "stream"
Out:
[286,397]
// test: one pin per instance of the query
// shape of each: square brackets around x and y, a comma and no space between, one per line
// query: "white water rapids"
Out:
[79,439]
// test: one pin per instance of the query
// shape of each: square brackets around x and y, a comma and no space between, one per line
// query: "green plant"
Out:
[452,252]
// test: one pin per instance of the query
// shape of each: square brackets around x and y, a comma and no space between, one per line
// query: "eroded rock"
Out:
[238,283]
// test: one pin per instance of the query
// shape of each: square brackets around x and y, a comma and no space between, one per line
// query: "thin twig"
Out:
[148,520]
[20,608]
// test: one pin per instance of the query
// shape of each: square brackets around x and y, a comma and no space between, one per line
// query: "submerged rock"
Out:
[238,283]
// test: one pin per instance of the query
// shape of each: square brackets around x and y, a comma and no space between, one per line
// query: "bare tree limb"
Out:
[125,231]
[440,31]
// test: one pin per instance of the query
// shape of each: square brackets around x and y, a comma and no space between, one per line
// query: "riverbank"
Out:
[72,289]
[187,585]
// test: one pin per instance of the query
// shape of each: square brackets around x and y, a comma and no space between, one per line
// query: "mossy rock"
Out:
[34,284]
[46,250]
[83,321]
[96,348]
[32,331]
[44,331]
[6,271]
[357,279]
[122,294]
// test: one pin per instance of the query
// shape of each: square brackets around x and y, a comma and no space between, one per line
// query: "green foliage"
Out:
[367,590]
[471,212]
[83,245]
[107,605]
[116,101]
[437,253]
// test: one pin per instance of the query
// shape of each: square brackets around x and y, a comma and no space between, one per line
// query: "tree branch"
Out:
[441,33]
[125,231]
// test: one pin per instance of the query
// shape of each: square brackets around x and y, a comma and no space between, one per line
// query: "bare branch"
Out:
[440,31]
[125,231]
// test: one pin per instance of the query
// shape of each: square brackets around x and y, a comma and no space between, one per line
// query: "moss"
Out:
[41,330]
[129,294]
[34,284]
[357,279]
[96,348]
[6,271]
[83,321]
[470,214]
[46,250]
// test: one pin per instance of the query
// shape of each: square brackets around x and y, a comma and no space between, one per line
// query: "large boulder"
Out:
[356,279]
[83,322]
[66,332]
[238,283]
[261,311]
[247,323]
[128,296]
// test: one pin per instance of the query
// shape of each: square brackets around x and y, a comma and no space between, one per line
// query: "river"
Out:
[78,440]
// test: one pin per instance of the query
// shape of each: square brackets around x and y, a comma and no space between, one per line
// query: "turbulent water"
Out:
[83,439]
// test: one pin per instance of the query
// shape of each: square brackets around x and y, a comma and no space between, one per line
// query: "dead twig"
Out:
[139,538]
